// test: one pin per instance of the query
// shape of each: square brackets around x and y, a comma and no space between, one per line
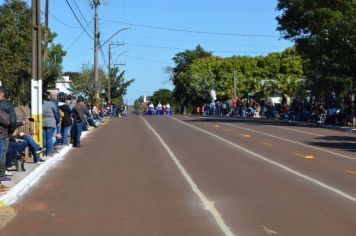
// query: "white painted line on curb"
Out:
[286,168]
[295,142]
[209,206]
[31,179]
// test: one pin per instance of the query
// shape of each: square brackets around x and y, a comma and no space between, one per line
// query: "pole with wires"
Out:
[109,68]
[96,4]
[36,80]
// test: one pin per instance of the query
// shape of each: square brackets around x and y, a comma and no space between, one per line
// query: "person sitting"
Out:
[17,145]
[14,152]
[96,115]
[89,118]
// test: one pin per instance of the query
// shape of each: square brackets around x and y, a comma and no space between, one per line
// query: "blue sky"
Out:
[148,50]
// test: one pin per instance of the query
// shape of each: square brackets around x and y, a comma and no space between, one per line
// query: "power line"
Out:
[193,31]
[76,39]
[76,17]
[183,49]
[199,42]
[56,18]
[146,59]
[102,54]
[81,13]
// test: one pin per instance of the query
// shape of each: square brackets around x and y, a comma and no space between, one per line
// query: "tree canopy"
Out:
[324,32]
[261,75]
[16,51]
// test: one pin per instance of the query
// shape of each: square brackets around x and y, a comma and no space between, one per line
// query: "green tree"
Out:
[324,33]
[118,85]
[282,71]
[180,78]
[15,49]
[163,96]
[52,68]
[139,106]
[84,83]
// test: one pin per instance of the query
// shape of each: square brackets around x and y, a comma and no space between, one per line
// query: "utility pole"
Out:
[109,82]
[96,4]
[36,80]
[45,51]
[109,69]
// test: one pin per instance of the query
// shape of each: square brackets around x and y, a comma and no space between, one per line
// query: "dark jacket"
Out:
[56,111]
[78,114]
[8,108]
[67,118]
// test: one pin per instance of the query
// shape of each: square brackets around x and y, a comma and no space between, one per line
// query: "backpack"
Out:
[4,119]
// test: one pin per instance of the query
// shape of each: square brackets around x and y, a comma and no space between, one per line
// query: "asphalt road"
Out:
[197,176]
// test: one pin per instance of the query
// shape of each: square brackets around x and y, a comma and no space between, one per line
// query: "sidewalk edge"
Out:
[32,178]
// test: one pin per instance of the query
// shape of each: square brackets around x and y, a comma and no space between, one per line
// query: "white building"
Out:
[63,85]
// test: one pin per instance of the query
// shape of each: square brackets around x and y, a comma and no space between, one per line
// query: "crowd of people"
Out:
[329,110]
[160,109]
[64,117]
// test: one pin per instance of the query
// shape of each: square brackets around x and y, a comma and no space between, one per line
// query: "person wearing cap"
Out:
[78,120]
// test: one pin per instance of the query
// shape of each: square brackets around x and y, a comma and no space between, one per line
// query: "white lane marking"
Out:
[295,142]
[286,168]
[306,132]
[209,206]
[299,131]
[268,231]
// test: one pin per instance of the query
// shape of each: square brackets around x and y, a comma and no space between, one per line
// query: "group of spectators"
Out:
[329,110]
[64,117]
[117,111]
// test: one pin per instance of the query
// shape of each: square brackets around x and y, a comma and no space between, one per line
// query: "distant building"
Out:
[63,85]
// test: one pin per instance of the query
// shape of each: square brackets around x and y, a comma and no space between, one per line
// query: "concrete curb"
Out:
[33,177]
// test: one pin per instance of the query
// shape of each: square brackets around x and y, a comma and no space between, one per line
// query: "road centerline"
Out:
[284,167]
[209,205]
[295,142]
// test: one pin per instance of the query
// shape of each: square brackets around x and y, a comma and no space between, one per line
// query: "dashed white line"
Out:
[299,131]
[295,142]
[209,205]
[284,167]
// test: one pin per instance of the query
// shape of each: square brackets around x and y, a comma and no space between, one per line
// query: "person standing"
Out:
[66,121]
[348,109]
[78,120]
[48,123]
[7,127]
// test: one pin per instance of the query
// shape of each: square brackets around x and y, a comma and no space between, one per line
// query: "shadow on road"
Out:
[342,142]
[346,146]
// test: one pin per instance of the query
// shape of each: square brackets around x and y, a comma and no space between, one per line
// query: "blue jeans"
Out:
[2,157]
[65,134]
[15,150]
[33,146]
[48,133]
[76,133]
